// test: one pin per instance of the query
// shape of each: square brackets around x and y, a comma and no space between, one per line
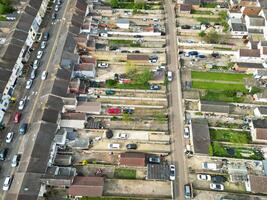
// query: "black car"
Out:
[218,179]
[215,55]
[23,128]
[54,16]
[154,159]
[185,27]
[138,36]
[131,146]
[46,36]
[154,87]
[3,154]
[128,111]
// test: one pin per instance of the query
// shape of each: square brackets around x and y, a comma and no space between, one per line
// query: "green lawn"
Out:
[219,76]
[122,173]
[125,43]
[220,150]
[223,96]
[208,19]
[241,137]
[201,12]
[218,86]
[208,5]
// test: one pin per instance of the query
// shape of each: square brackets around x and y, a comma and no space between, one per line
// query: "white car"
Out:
[15,160]
[29,84]
[35,64]
[44,75]
[103,65]
[7,183]
[123,136]
[172,172]
[216,186]
[203,177]
[186,132]
[22,103]
[40,54]
[56,8]
[9,137]
[114,146]
[43,44]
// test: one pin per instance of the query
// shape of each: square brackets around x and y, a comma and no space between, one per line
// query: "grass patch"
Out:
[227,125]
[125,43]
[223,48]
[208,5]
[224,96]
[218,86]
[219,76]
[208,19]
[240,137]
[220,150]
[122,173]
[201,12]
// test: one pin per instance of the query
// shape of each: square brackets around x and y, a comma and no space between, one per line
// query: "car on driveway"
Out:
[123,136]
[217,186]
[186,132]
[17,117]
[114,146]
[43,44]
[9,137]
[128,111]
[154,159]
[29,84]
[114,111]
[102,65]
[22,103]
[40,54]
[131,146]
[154,87]
[218,179]
[172,172]
[7,183]
[203,177]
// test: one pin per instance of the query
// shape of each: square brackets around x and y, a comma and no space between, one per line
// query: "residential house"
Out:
[84,70]
[194,3]
[73,120]
[255,24]
[251,11]
[238,29]
[249,55]
[77,86]
[260,112]
[132,159]
[200,136]
[248,67]
[86,186]
[260,74]
[261,97]
[185,8]
[258,184]
[235,13]
[258,130]
[123,23]
[248,3]
[89,107]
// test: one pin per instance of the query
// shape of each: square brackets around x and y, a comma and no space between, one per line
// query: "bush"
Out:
[201,34]
[111,83]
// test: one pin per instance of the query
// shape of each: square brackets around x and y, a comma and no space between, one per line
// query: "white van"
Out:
[169,75]
[210,166]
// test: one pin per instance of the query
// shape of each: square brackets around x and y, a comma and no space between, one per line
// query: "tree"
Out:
[143,77]
[114,3]
[126,117]
[210,150]
[212,37]
[201,34]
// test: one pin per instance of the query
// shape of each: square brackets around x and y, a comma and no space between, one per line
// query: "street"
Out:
[175,105]
[33,95]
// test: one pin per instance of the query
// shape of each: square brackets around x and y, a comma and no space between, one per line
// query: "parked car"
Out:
[154,87]
[23,128]
[186,132]
[114,146]
[56,8]
[44,75]
[46,36]
[102,65]
[43,44]
[216,186]
[123,136]
[203,177]
[210,166]
[33,74]
[128,111]
[131,146]
[169,75]
[22,103]
[114,111]
[154,159]
[36,64]
[215,55]
[187,191]
[29,84]
[172,172]
[15,160]
[201,56]
[39,54]
[218,179]
[9,137]
[59,2]
[185,27]
[3,153]
[17,117]
[54,16]
[110,92]
[7,183]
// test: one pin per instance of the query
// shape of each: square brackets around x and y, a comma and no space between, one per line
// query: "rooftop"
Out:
[259,123]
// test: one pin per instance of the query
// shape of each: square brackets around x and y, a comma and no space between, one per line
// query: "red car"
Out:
[114,111]
[17,117]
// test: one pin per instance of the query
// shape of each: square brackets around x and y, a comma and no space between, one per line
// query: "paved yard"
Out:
[138,188]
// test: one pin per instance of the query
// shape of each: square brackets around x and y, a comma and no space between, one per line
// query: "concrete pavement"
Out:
[175,105]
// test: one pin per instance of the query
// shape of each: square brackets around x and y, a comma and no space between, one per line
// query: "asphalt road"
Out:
[55,29]
[175,105]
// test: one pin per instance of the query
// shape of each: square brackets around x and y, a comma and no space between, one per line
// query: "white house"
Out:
[86,70]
